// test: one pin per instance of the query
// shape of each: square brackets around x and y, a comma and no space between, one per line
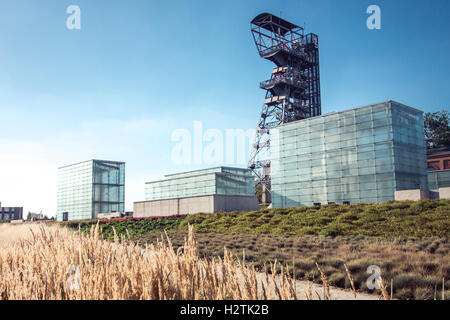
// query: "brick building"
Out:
[438,158]
[438,163]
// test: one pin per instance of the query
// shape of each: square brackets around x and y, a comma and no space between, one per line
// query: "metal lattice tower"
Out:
[293,90]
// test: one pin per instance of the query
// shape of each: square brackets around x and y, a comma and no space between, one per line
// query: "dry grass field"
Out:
[415,266]
[409,241]
[11,234]
[50,262]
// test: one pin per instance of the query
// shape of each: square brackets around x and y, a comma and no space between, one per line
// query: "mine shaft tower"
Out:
[293,90]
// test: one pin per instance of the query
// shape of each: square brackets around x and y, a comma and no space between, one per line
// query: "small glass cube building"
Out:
[89,188]
[208,190]
[360,155]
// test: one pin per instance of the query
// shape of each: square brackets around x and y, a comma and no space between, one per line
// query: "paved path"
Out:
[317,290]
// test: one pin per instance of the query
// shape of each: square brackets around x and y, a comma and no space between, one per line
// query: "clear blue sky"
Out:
[138,70]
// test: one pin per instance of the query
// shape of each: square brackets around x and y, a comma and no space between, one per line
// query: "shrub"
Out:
[335,263]
[406,281]
[392,219]
[337,279]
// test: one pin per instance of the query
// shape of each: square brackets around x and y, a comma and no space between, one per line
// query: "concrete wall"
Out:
[413,195]
[444,193]
[109,215]
[204,204]
[416,195]
[196,204]
[235,203]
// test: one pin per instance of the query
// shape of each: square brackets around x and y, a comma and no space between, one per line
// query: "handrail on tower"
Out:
[292,92]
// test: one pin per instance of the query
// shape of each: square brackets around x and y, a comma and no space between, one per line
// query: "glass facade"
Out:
[438,179]
[88,188]
[214,181]
[356,156]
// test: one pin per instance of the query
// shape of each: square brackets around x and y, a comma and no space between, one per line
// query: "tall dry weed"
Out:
[50,262]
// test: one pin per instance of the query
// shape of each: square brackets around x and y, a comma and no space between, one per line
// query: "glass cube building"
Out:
[214,181]
[88,188]
[360,155]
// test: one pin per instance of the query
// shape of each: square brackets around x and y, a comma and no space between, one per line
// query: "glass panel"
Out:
[222,180]
[88,188]
[109,178]
[364,157]
[75,191]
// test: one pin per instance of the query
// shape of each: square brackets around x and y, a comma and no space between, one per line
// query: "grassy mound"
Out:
[427,218]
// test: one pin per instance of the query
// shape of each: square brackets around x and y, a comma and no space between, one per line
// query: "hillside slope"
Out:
[427,218]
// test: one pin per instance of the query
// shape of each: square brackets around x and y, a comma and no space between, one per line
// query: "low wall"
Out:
[417,194]
[235,203]
[412,195]
[109,215]
[444,193]
[202,204]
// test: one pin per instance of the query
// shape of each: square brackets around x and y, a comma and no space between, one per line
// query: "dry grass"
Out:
[326,286]
[383,289]
[414,266]
[350,278]
[42,263]
[10,234]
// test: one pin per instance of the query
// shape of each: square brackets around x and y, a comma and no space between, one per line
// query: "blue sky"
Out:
[139,70]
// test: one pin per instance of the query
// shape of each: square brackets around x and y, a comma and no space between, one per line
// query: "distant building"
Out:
[360,155]
[438,162]
[89,188]
[207,191]
[438,158]
[38,217]
[10,213]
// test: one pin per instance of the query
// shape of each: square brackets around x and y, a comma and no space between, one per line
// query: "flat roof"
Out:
[74,164]
[200,196]
[438,152]
[404,105]
[268,21]
[173,176]
[197,170]
[346,110]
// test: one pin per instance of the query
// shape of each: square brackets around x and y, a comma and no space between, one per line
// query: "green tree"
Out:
[437,129]
[29,216]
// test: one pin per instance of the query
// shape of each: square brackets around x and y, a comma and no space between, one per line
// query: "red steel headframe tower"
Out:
[293,90]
